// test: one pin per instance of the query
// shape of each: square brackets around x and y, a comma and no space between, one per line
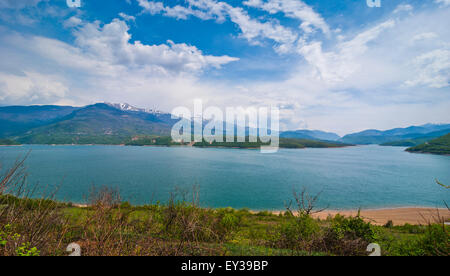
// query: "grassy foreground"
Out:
[110,227]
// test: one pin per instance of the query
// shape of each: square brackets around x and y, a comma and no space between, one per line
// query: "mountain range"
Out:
[94,124]
[106,123]
[424,132]
[311,135]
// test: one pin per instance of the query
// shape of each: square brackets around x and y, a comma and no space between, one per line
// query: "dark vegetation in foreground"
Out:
[32,227]
[439,145]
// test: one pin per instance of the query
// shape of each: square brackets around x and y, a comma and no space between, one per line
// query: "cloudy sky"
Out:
[332,65]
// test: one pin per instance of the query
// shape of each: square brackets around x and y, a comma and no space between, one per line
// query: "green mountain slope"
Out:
[18,119]
[407,142]
[97,124]
[417,141]
[439,145]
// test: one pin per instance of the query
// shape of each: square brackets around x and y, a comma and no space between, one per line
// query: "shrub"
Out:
[297,233]
[352,228]
[435,241]
[347,236]
[229,222]
[389,224]
[125,205]
[25,250]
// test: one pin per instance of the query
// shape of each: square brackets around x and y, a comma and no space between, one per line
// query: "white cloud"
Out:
[342,85]
[294,9]
[73,21]
[251,29]
[177,11]
[443,2]
[102,64]
[110,43]
[336,66]
[19,4]
[424,36]
[127,17]
[432,69]
[30,87]
[403,8]
[30,12]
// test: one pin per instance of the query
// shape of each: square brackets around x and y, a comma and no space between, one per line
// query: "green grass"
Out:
[240,232]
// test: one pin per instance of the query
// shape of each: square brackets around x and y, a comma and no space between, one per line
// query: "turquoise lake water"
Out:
[366,176]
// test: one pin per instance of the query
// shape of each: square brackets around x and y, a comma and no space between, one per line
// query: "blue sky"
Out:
[333,65]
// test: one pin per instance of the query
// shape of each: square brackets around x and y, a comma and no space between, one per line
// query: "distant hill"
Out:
[407,142]
[439,145]
[8,142]
[98,124]
[284,143]
[311,135]
[395,135]
[17,119]
[305,143]
[417,141]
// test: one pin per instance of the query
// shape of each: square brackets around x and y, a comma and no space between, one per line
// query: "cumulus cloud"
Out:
[30,87]
[110,43]
[103,58]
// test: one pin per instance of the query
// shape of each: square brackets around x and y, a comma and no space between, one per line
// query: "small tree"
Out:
[305,203]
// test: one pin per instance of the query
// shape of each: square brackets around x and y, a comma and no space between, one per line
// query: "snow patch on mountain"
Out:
[128,107]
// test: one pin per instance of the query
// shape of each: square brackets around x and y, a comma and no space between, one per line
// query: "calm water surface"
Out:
[367,177]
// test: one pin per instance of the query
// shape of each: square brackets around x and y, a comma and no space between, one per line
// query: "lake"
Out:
[349,178]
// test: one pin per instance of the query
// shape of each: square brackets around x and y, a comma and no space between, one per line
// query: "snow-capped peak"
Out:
[128,107]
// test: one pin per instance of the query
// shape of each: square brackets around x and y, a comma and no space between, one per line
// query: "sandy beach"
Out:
[399,216]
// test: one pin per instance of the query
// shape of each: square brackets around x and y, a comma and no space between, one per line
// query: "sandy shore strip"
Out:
[399,216]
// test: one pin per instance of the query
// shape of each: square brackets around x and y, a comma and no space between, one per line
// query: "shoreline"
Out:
[176,146]
[398,215]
